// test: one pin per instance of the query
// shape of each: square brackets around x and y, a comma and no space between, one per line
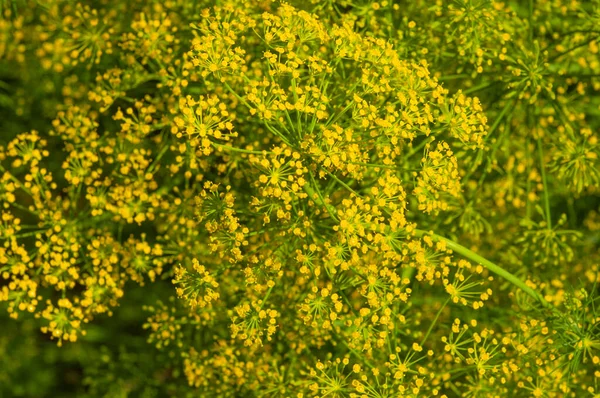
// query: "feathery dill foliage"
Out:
[300,199]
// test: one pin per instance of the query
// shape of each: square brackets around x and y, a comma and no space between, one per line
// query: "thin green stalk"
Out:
[527,156]
[453,77]
[418,147]
[30,233]
[507,106]
[479,87]
[457,248]
[435,321]
[342,183]
[162,152]
[26,209]
[546,196]
[236,95]
[585,43]
[347,300]
[312,194]
[234,149]
[496,269]
[278,134]
[408,273]
[265,299]
[530,18]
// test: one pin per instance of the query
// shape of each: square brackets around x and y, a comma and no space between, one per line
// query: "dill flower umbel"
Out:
[299,198]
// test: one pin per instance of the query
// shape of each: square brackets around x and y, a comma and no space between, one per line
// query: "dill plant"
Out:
[300,199]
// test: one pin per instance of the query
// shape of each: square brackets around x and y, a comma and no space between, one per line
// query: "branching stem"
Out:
[494,268]
[457,248]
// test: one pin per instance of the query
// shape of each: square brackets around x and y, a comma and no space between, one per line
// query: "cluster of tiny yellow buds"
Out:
[529,71]
[9,225]
[21,295]
[548,246]
[281,180]
[111,85]
[64,321]
[196,286]
[327,377]
[79,168]
[7,188]
[464,120]
[142,259]
[465,290]
[338,151]
[576,162]
[208,367]
[152,38]
[14,259]
[27,149]
[438,178]
[253,324]
[196,368]
[137,122]
[213,48]
[375,323]
[203,121]
[512,188]
[355,222]
[227,236]
[430,261]
[76,126]
[321,307]
[165,327]
[408,378]
[12,36]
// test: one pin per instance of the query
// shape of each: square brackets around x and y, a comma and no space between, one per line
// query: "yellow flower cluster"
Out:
[196,286]
[283,186]
[202,120]
[438,179]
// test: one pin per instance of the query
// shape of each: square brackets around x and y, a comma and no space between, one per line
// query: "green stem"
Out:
[434,321]
[530,18]
[457,248]
[265,299]
[317,194]
[234,149]
[26,209]
[30,233]
[408,273]
[278,134]
[546,196]
[236,95]
[507,106]
[358,355]
[418,147]
[479,87]
[162,152]
[496,269]
[527,156]
[453,77]
[588,41]
[342,183]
